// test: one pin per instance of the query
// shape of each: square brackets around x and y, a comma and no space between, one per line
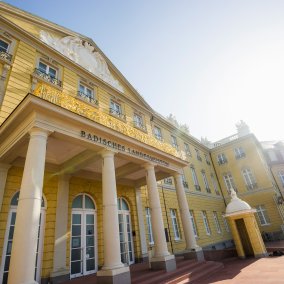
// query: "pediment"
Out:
[81,50]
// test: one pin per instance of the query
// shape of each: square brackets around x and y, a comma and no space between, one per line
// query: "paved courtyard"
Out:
[265,270]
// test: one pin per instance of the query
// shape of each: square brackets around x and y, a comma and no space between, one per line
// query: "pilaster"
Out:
[3,177]
[60,271]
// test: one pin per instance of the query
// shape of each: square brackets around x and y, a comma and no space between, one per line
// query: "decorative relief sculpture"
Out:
[63,100]
[83,54]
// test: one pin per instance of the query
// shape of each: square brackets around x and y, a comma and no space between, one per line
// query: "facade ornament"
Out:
[84,54]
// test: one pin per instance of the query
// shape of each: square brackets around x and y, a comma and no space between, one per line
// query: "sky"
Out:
[211,63]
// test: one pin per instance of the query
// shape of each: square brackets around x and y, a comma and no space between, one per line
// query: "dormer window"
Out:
[87,94]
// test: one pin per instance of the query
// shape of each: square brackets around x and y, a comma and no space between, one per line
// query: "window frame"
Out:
[215,186]
[206,223]
[249,179]
[116,109]
[205,181]
[239,152]
[174,142]
[222,159]
[195,179]
[193,223]
[175,224]
[217,223]
[281,177]
[229,182]
[138,124]
[261,210]
[149,226]
[158,134]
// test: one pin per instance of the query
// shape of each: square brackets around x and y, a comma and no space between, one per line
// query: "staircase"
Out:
[188,271]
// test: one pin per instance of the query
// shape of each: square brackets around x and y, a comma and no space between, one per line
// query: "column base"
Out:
[167,263]
[61,275]
[114,276]
[196,254]
[260,255]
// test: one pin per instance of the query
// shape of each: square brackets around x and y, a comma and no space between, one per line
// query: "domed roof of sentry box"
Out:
[236,204]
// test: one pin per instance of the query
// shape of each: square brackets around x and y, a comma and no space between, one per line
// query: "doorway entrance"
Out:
[248,250]
[125,232]
[83,236]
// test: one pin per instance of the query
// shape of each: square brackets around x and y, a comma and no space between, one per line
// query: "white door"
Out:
[125,232]
[7,248]
[83,237]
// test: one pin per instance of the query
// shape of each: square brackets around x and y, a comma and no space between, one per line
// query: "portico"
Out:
[70,147]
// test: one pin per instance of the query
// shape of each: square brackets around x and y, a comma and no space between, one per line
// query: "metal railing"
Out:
[117,113]
[87,98]
[5,55]
[41,74]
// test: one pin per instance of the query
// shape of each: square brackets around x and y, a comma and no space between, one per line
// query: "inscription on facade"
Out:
[121,148]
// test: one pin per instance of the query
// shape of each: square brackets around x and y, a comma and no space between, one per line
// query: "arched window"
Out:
[83,236]
[125,232]
[7,248]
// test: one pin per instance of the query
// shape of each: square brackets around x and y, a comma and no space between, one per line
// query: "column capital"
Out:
[149,166]
[177,175]
[107,153]
[37,131]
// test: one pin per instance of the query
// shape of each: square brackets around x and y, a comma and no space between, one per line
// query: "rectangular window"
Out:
[184,182]
[187,149]
[216,188]
[193,223]
[138,121]
[149,226]
[115,109]
[168,181]
[281,176]
[216,220]
[46,69]
[249,179]
[158,133]
[221,158]
[195,180]
[86,93]
[4,46]
[207,160]
[174,141]
[175,224]
[239,153]
[228,179]
[48,73]
[198,157]
[206,182]
[225,223]
[206,223]
[262,215]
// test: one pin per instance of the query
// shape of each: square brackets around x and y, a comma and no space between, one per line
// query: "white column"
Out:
[161,248]
[143,243]
[112,258]
[3,176]
[59,258]
[23,257]
[184,213]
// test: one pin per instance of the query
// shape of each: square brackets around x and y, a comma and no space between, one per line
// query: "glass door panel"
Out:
[76,245]
[90,244]
[123,250]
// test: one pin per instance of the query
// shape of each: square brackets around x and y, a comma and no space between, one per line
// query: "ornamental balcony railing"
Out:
[199,158]
[208,163]
[87,98]
[116,113]
[139,125]
[41,74]
[222,162]
[159,137]
[208,189]
[5,56]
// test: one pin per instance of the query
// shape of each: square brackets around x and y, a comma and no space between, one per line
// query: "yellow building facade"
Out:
[93,179]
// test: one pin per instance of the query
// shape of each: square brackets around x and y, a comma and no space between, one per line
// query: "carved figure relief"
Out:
[83,54]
